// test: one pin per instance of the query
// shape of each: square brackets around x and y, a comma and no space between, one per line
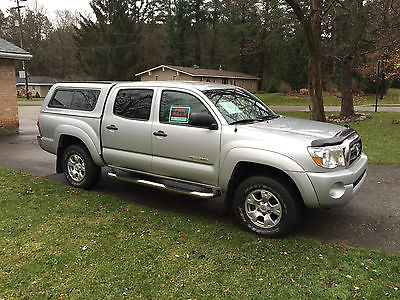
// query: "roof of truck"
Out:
[188,84]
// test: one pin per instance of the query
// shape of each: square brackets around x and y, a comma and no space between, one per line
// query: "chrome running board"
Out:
[168,185]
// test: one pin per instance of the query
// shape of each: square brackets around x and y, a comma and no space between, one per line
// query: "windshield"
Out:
[239,106]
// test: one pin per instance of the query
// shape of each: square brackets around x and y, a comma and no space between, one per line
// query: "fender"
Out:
[271,159]
[258,156]
[86,134]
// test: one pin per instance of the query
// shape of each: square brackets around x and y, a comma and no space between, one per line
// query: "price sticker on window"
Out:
[179,114]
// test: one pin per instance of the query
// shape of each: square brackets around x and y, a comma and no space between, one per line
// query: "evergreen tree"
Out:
[107,47]
[292,57]
[178,26]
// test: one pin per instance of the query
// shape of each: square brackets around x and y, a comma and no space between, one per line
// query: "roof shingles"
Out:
[9,50]
[199,72]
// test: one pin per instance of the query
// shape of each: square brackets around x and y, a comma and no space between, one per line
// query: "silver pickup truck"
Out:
[204,140]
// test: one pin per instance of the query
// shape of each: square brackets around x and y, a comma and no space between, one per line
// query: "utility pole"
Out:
[18,8]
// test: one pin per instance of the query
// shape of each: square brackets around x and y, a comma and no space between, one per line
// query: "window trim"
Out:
[130,118]
[63,89]
[184,124]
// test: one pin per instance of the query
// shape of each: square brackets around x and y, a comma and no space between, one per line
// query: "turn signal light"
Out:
[318,160]
[40,131]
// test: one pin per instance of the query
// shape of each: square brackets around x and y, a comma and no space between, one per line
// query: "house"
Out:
[9,53]
[38,85]
[166,72]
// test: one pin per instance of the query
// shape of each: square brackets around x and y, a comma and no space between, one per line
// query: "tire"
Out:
[79,168]
[266,206]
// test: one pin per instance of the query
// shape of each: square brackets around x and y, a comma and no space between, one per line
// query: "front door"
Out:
[181,150]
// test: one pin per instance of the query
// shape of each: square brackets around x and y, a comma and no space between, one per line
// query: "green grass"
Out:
[32,99]
[392,97]
[24,104]
[56,240]
[380,136]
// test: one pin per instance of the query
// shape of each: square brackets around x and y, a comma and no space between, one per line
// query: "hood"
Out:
[318,130]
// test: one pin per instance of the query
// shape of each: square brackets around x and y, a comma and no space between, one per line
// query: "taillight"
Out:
[37,123]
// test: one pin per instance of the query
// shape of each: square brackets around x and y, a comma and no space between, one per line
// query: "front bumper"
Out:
[338,187]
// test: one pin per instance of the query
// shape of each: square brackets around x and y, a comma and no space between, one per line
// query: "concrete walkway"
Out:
[372,219]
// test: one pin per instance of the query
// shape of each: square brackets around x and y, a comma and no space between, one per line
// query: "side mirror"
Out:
[203,120]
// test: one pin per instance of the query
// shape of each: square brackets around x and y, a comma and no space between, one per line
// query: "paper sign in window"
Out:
[179,114]
[230,108]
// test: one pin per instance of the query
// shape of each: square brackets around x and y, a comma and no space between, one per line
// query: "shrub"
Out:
[284,87]
[396,84]
[273,86]
[368,86]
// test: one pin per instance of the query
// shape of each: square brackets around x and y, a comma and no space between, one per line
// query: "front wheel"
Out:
[79,168]
[266,206]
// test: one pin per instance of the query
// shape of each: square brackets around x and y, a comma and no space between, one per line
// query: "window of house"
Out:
[78,99]
[174,77]
[156,77]
[224,81]
[176,107]
[133,104]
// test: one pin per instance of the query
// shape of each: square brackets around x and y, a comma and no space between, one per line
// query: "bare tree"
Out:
[350,19]
[310,19]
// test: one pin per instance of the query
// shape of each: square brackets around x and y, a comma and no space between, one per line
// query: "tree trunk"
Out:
[347,107]
[382,87]
[315,87]
[213,44]
[312,28]
[262,60]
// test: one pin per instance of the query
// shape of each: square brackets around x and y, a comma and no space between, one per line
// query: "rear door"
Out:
[126,128]
[181,150]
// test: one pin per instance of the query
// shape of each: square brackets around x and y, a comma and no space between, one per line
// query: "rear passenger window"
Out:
[75,99]
[133,104]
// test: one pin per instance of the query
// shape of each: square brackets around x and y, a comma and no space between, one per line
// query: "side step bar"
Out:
[169,185]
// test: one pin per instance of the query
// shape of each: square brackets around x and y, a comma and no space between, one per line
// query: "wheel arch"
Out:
[246,169]
[66,140]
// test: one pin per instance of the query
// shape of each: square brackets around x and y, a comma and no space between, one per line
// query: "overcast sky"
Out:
[50,5]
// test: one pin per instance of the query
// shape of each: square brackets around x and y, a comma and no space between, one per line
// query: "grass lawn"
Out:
[276,99]
[380,136]
[24,104]
[32,99]
[56,240]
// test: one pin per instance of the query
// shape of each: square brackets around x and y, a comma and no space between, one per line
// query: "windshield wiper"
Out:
[270,117]
[244,121]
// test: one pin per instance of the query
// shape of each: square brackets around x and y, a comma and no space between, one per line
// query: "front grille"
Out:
[355,150]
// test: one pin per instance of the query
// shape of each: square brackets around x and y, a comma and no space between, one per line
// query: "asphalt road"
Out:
[372,219]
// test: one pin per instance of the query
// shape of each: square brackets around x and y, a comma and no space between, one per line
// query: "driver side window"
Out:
[177,107]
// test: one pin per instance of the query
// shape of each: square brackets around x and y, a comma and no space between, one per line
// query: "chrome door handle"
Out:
[112,127]
[160,133]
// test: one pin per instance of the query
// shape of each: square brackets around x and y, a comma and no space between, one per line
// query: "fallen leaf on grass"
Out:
[185,236]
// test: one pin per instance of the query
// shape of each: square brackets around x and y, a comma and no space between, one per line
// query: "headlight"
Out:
[328,157]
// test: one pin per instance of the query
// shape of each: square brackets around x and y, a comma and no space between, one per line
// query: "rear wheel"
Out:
[79,168]
[266,206]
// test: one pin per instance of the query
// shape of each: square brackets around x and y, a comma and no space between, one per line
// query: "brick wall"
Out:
[8,98]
